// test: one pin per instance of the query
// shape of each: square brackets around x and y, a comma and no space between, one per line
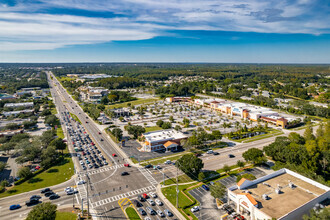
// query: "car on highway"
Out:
[158,202]
[209,152]
[13,207]
[141,211]
[148,166]
[32,202]
[156,167]
[114,155]
[160,213]
[153,195]
[100,133]
[126,165]
[105,162]
[231,155]
[35,197]
[215,153]
[124,173]
[147,218]
[168,213]
[151,202]
[54,196]
[194,209]
[49,193]
[45,190]
[137,203]
[168,162]
[90,166]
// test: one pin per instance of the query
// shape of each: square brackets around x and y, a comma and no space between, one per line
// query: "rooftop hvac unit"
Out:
[291,185]
[266,184]
[278,191]
[265,196]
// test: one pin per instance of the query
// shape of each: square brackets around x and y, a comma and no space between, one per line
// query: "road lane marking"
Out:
[148,176]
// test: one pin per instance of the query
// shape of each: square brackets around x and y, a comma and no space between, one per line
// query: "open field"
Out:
[153,128]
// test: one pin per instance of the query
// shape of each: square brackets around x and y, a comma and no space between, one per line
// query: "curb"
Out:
[168,203]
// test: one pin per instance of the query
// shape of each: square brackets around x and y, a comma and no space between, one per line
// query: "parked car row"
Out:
[148,209]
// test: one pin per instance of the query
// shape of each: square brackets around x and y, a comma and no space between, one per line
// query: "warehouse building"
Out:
[283,195]
[17,105]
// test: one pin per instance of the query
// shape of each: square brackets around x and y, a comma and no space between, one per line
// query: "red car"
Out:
[126,165]
[145,196]
[114,155]
[92,143]
[83,153]
[37,167]
[99,132]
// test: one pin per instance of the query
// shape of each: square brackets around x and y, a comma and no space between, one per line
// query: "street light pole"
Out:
[177,188]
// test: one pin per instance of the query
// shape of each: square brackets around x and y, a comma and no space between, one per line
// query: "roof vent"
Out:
[291,185]
[266,184]
[265,196]
[278,191]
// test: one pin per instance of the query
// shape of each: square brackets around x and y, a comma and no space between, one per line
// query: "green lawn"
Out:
[181,179]
[174,157]
[75,117]
[131,213]
[184,202]
[59,132]
[271,133]
[65,216]
[135,102]
[153,128]
[53,176]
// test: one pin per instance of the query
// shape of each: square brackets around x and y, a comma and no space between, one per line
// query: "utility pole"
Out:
[87,196]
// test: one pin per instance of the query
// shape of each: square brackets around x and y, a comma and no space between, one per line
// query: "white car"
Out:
[168,162]
[209,152]
[69,188]
[147,218]
[158,202]
[153,195]
[151,202]
[160,213]
[194,209]
[81,182]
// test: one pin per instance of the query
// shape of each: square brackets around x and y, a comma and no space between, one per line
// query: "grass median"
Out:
[75,117]
[132,214]
[65,216]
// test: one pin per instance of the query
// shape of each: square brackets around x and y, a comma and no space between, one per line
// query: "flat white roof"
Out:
[163,135]
[19,104]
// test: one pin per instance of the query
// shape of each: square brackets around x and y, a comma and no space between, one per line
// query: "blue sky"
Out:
[257,31]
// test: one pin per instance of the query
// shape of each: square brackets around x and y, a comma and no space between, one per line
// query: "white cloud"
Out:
[145,19]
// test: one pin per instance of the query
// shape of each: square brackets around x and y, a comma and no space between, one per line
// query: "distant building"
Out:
[15,113]
[178,99]
[21,104]
[6,97]
[93,94]
[163,139]
[30,89]
[282,195]
[118,112]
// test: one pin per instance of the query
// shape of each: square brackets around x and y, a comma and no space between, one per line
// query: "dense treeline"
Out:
[118,83]
[308,155]
[13,79]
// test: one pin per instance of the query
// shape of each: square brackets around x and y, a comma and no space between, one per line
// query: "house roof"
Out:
[241,182]
[169,143]
[250,198]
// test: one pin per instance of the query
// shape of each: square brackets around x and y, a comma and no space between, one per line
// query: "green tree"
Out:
[118,133]
[58,144]
[226,168]
[28,124]
[45,112]
[52,120]
[217,135]
[308,133]
[166,125]
[7,147]
[24,172]
[177,128]
[323,214]
[320,130]
[135,130]
[296,138]
[171,119]
[43,211]
[12,126]
[218,190]
[47,137]
[159,123]
[2,166]
[201,176]
[255,156]
[190,165]
[240,164]
[247,176]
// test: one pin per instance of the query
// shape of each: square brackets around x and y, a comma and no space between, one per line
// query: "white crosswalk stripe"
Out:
[101,170]
[123,195]
[148,176]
